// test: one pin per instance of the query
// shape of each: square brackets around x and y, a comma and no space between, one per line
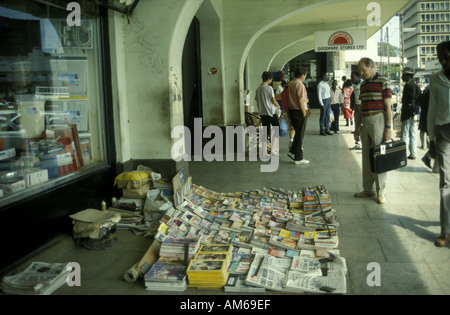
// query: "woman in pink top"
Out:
[347,91]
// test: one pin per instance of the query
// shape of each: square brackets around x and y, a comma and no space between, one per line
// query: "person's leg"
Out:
[326,119]
[378,138]
[412,137]
[337,117]
[405,131]
[321,120]
[297,123]
[443,153]
[264,133]
[366,141]
[422,139]
[275,122]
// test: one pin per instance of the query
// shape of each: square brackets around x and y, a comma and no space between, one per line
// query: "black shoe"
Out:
[329,133]
[292,156]
[426,160]
[411,157]
[323,133]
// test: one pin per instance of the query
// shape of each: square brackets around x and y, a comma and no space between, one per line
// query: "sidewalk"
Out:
[399,235]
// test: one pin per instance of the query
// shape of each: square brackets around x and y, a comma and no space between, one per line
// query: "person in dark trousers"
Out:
[410,107]
[439,132]
[424,100]
[298,104]
[337,100]
[324,95]
[267,105]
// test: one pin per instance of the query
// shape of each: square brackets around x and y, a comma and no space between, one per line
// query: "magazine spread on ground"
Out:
[250,241]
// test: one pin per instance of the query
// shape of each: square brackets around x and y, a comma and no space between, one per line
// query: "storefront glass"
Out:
[51,103]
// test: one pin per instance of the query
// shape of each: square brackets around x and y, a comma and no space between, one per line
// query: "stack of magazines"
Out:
[166,277]
[209,268]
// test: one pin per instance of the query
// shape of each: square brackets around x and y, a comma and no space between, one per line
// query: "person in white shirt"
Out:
[267,105]
[439,133]
[324,94]
[337,100]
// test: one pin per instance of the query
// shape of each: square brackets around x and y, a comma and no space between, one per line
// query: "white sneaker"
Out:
[302,162]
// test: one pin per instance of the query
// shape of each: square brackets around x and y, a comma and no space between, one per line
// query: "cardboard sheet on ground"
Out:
[95,216]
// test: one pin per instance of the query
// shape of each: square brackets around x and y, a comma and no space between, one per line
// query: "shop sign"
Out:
[328,41]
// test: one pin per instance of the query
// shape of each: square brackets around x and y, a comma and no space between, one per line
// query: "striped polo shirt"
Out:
[373,92]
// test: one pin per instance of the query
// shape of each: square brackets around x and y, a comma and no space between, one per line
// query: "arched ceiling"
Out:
[287,27]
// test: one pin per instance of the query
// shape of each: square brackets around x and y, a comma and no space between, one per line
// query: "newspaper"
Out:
[316,282]
[39,278]
[268,272]
[304,264]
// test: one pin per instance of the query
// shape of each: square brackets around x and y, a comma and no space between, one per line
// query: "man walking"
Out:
[324,94]
[410,105]
[373,125]
[267,104]
[298,103]
[439,132]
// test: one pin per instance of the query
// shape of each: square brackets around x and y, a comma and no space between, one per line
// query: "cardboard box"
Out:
[34,176]
[140,192]
[13,186]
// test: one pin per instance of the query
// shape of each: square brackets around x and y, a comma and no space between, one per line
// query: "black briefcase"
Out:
[388,156]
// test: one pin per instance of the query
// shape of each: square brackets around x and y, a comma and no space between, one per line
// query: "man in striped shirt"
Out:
[373,125]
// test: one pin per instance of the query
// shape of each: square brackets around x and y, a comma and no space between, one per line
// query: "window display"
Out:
[51,105]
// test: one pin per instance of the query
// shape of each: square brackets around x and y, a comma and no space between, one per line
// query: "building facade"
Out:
[427,24]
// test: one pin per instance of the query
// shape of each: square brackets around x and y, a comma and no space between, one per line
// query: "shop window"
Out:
[51,112]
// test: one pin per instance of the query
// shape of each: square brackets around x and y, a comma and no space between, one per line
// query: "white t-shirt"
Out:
[263,97]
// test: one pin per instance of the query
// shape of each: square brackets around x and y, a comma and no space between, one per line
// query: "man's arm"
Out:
[431,120]
[319,93]
[274,102]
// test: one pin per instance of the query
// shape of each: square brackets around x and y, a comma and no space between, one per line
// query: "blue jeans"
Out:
[325,116]
[409,132]
[335,108]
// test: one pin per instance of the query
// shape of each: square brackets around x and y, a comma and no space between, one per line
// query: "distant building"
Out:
[430,25]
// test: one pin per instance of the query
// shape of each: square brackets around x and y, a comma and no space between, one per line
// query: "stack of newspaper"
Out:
[268,229]
[39,278]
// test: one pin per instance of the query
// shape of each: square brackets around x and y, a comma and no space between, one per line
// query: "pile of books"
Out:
[268,229]
[209,268]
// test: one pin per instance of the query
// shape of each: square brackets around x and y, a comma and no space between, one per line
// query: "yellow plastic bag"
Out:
[131,180]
